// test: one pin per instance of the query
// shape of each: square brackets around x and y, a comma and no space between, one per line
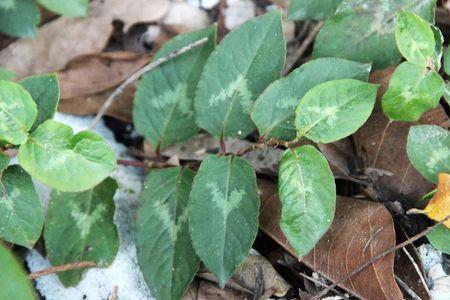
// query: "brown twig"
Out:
[141,72]
[62,268]
[376,258]
[416,267]
[300,50]
[407,288]
[114,293]
[133,163]
[381,143]
[312,279]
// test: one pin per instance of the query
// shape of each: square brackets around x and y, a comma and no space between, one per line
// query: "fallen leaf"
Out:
[391,156]
[439,206]
[341,156]
[360,231]
[204,290]
[60,40]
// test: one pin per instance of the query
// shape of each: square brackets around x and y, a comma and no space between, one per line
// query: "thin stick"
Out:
[62,268]
[141,72]
[381,143]
[312,279]
[133,163]
[376,258]
[300,50]
[416,267]
[114,292]
[407,288]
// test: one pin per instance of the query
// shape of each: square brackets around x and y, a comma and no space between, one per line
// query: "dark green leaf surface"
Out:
[6,74]
[4,161]
[163,108]
[364,30]
[243,65]
[70,8]
[21,19]
[335,109]
[273,112]
[44,89]
[164,248]
[413,89]
[428,150]
[308,197]
[14,283]
[80,227]
[21,216]
[223,213]
[17,113]
[67,162]
[440,238]
[414,38]
[312,9]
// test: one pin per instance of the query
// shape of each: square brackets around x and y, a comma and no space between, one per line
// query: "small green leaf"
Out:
[438,48]
[335,109]
[44,90]
[413,89]
[439,237]
[312,9]
[70,8]
[21,216]
[164,248]
[243,65]
[273,112]
[223,213]
[6,74]
[14,283]
[21,19]
[17,113]
[4,162]
[163,108]
[80,227]
[67,162]
[364,30]
[447,61]
[428,149]
[414,38]
[308,197]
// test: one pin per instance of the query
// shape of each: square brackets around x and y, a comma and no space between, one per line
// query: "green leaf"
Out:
[80,227]
[312,9]
[7,4]
[308,197]
[67,162]
[438,48]
[164,248]
[223,213]
[21,19]
[17,113]
[364,30]
[70,8]
[14,283]
[6,74]
[163,108]
[273,112]
[413,89]
[428,149]
[439,237]
[414,38]
[447,61]
[243,65]
[335,109]
[44,90]
[4,161]
[21,216]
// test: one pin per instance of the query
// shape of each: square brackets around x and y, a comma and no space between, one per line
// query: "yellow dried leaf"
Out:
[439,206]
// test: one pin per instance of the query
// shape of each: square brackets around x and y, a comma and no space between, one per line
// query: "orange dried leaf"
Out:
[439,206]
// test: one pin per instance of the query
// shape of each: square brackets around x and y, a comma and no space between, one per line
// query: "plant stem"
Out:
[62,268]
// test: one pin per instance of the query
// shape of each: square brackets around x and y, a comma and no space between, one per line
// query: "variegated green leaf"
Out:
[64,161]
[164,248]
[308,197]
[438,48]
[6,74]
[163,108]
[19,19]
[243,65]
[335,109]
[21,216]
[80,227]
[273,112]
[223,213]
[70,8]
[17,113]
[413,89]
[428,149]
[312,9]
[364,30]
[14,283]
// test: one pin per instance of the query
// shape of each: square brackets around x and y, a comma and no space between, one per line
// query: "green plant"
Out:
[20,18]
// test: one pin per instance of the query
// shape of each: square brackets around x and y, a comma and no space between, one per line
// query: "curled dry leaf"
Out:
[382,146]
[360,231]
[65,38]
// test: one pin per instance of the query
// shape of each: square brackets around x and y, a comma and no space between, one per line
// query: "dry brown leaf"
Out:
[360,231]
[65,38]
[392,159]
[340,155]
[439,206]
[204,290]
